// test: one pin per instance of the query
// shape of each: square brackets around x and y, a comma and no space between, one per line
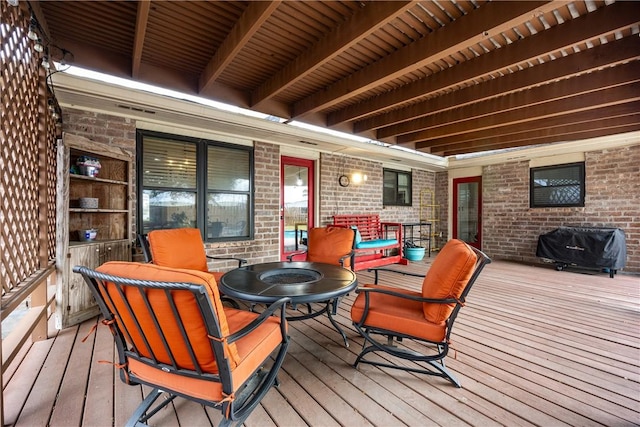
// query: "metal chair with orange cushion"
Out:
[425,319]
[173,334]
[182,248]
[329,245]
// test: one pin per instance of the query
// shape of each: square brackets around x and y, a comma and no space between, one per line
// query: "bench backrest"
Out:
[368,225]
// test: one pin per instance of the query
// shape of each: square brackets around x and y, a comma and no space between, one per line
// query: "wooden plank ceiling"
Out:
[445,77]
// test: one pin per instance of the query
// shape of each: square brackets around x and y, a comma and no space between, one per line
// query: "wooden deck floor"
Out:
[533,347]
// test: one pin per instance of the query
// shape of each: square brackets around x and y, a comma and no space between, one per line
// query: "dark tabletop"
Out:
[303,282]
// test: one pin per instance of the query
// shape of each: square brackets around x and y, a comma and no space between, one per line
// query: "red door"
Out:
[296,204]
[467,210]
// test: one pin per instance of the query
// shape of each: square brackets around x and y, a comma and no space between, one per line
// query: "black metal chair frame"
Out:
[247,396]
[148,258]
[435,363]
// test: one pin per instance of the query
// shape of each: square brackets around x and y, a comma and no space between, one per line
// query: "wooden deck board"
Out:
[533,346]
[69,409]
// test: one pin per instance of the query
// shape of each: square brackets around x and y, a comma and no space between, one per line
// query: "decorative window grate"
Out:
[557,186]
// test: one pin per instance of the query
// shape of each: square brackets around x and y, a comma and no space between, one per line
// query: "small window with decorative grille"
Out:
[557,186]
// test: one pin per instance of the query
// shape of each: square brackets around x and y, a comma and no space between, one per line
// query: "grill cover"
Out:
[585,247]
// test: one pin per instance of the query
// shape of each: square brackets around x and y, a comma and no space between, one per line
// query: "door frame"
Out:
[309,164]
[478,243]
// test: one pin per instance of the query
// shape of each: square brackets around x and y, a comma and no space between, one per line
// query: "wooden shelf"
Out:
[102,180]
[80,210]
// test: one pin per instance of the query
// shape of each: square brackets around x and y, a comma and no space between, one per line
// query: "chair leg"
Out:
[436,361]
[142,413]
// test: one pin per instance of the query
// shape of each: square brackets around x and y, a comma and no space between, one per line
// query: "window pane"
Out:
[169,164]
[227,215]
[168,209]
[390,179]
[228,169]
[403,189]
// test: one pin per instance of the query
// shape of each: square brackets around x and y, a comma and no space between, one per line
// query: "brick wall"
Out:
[112,130]
[612,199]
[265,247]
[366,197]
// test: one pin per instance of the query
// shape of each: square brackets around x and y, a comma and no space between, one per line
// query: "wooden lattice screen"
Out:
[28,142]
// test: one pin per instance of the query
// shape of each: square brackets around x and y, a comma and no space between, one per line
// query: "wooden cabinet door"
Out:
[80,304]
[116,251]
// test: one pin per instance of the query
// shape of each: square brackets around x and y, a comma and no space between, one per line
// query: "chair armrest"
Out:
[268,312]
[290,256]
[366,291]
[345,256]
[404,273]
[240,260]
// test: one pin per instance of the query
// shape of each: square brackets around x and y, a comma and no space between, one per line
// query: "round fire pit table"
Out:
[303,282]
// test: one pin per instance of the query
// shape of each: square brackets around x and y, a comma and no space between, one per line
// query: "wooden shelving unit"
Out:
[112,218]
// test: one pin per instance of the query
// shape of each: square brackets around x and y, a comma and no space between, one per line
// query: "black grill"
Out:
[588,247]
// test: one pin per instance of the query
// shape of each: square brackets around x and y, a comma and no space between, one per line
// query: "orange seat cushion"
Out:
[253,350]
[448,276]
[329,244]
[400,315]
[179,248]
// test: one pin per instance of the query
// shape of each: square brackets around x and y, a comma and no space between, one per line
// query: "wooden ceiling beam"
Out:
[585,28]
[249,23]
[546,101]
[579,132]
[536,128]
[142,17]
[398,122]
[490,19]
[361,24]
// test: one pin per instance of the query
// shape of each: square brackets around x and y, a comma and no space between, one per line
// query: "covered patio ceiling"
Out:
[447,77]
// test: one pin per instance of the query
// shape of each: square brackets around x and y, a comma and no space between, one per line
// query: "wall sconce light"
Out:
[358,178]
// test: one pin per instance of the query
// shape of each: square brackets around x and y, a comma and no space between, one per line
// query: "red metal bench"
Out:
[380,243]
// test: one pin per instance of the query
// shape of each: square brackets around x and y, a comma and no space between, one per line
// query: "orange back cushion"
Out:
[447,278]
[179,248]
[329,244]
[186,306]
